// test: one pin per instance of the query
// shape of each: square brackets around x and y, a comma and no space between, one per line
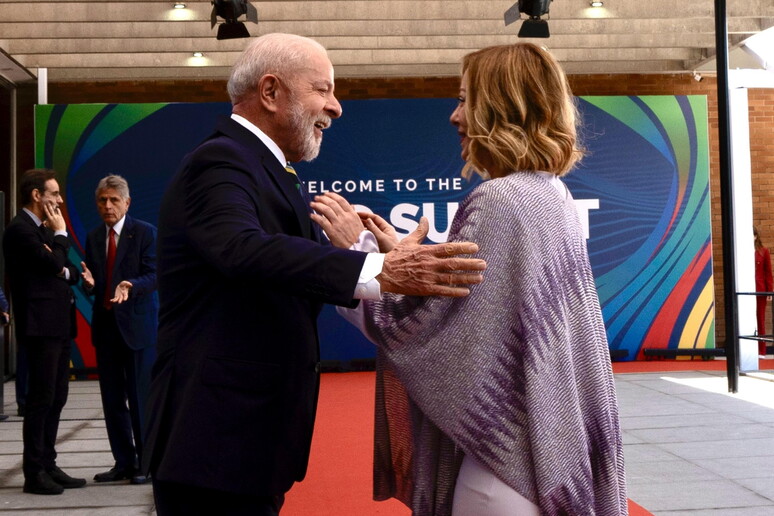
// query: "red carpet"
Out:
[338,482]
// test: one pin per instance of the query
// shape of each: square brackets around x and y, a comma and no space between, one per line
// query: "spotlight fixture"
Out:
[179,5]
[697,77]
[533,26]
[596,4]
[230,11]
[198,54]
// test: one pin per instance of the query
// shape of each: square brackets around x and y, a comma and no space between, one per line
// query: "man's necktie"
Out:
[290,170]
[299,186]
[304,195]
[111,260]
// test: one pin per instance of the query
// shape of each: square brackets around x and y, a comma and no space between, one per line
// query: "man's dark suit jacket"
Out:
[242,279]
[137,317]
[42,301]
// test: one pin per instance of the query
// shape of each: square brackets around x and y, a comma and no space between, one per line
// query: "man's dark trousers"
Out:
[49,358]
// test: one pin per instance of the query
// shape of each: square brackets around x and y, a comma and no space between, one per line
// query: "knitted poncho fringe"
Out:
[517,374]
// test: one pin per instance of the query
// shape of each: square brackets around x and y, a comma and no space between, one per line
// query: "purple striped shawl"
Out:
[517,374]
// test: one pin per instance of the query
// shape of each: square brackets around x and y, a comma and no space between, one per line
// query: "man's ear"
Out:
[36,195]
[268,91]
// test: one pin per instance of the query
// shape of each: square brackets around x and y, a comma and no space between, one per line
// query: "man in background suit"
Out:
[5,318]
[5,309]
[124,321]
[35,246]
[243,275]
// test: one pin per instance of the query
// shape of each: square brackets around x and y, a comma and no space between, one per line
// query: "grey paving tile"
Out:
[82,414]
[761,415]
[762,485]
[735,469]
[666,387]
[81,423]
[703,432]
[708,419]
[661,405]
[636,388]
[83,445]
[720,403]
[690,496]
[628,438]
[10,434]
[90,433]
[10,447]
[10,462]
[732,449]
[91,496]
[737,511]
[666,471]
[646,453]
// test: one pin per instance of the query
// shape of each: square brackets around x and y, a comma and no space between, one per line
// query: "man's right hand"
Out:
[430,270]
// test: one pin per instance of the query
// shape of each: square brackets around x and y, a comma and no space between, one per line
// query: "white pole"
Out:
[13,183]
[42,85]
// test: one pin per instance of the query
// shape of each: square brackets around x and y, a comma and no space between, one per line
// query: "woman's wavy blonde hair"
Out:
[520,112]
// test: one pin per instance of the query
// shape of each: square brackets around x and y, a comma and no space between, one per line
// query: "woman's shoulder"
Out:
[515,184]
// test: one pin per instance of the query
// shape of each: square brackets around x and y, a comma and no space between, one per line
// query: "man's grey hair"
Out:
[277,53]
[114,182]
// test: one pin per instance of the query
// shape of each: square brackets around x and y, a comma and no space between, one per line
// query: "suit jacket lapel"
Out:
[285,182]
[290,187]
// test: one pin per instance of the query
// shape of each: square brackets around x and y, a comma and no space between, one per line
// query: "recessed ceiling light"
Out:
[198,54]
[597,4]
[179,5]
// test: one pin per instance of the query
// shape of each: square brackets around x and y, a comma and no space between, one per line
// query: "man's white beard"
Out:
[304,132]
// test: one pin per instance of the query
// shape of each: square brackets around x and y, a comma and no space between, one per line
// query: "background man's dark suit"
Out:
[44,315]
[242,279]
[125,335]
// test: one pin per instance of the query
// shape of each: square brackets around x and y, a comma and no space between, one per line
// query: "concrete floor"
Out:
[83,451]
[690,448]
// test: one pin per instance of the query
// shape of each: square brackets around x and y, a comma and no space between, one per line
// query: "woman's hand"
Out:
[337,218]
[385,234]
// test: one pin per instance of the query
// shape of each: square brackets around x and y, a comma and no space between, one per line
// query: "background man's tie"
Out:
[111,259]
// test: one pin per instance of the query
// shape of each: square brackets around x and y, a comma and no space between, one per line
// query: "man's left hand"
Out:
[337,218]
[122,292]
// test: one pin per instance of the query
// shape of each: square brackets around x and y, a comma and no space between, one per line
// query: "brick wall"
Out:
[761,124]
[762,166]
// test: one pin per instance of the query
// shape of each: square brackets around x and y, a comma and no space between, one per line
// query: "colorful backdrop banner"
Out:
[642,193]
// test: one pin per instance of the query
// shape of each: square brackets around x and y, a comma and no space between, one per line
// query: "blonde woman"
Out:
[502,402]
